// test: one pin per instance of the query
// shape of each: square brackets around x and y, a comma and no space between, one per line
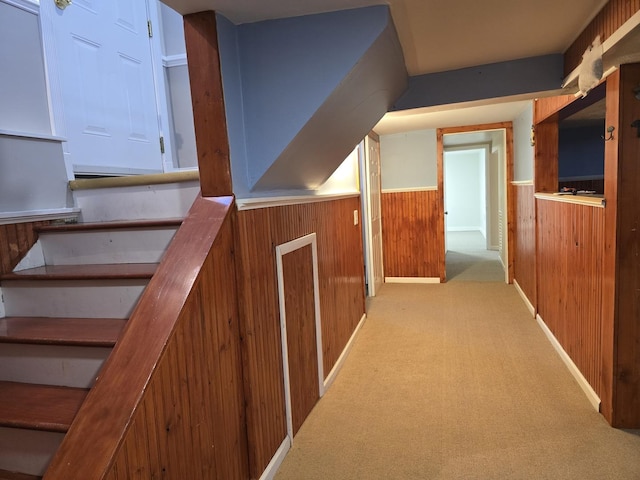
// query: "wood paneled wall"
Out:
[621,309]
[15,241]
[169,399]
[341,283]
[411,246]
[569,280]
[609,19]
[525,240]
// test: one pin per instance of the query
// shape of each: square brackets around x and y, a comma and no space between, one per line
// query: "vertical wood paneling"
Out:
[546,156]
[525,241]
[410,240]
[15,241]
[191,421]
[169,401]
[341,285]
[609,19]
[569,280]
[621,306]
[297,273]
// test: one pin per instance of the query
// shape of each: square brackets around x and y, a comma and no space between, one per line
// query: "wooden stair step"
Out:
[5,475]
[85,272]
[140,224]
[39,407]
[90,332]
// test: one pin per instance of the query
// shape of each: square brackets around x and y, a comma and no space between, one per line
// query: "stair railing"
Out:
[168,402]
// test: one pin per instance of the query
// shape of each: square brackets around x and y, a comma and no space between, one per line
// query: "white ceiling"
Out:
[441,35]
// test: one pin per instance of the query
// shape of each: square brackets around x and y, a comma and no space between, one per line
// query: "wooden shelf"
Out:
[576,199]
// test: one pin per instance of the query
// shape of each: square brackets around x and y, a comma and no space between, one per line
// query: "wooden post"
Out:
[621,263]
[209,118]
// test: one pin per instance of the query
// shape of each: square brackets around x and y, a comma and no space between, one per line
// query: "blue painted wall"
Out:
[581,152]
[281,78]
[527,75]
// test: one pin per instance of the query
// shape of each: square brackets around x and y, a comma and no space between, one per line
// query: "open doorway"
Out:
[475,173]
[472,214]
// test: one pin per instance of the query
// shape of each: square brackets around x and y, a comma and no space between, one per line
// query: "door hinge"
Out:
[161,144]
[149,28]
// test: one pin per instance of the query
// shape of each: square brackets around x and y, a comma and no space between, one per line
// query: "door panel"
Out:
[297,273]
[376,216]
[107,87]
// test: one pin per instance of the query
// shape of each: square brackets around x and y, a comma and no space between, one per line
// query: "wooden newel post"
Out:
[212,141]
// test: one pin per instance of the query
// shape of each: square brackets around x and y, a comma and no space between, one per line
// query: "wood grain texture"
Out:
[525,241]
[605,23]
[15,241]
[39,407]
[341,285]
[545,176]
[621,306]
[207,98]
[511,204]
[570,247]
[410,240]
[546,107]
[297,273]
[179,413]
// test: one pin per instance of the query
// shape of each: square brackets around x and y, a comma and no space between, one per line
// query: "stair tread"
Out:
[39,407]
[85,272]
[6,475]
[124,224]
[98,332]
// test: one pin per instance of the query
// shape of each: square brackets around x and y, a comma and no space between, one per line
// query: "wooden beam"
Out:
[621,330]
[209,118]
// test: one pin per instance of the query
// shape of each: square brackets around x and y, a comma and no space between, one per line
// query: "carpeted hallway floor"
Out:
[456,381]
[469,260]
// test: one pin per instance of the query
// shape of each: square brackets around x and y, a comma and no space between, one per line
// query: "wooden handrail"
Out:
[99,430]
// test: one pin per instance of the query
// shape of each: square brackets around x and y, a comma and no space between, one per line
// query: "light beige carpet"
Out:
[456,381]
[469,260]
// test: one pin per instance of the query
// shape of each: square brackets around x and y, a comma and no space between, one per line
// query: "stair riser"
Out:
[134,246]
[136,203]
[27,451]
[62,298]
[51,364]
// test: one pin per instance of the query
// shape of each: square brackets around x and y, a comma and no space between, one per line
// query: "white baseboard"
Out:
[586,388]
[276,460]
[411,279]
[524,297]
[343,356]
[465,229]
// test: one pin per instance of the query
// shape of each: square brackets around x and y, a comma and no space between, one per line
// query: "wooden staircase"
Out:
[66,305]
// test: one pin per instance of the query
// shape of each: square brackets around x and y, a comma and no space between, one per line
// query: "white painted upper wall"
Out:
[465,190]
[409,160]
[24,106]
[522,148]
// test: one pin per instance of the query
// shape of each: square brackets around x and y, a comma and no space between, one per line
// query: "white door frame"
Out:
[282,250]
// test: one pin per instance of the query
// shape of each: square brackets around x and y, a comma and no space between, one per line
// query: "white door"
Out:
[106,102]
[375,210]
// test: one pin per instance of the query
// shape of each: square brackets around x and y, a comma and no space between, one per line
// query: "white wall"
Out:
[465,190]
[409,160]
[522,148]
[24,106]
[178,89]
